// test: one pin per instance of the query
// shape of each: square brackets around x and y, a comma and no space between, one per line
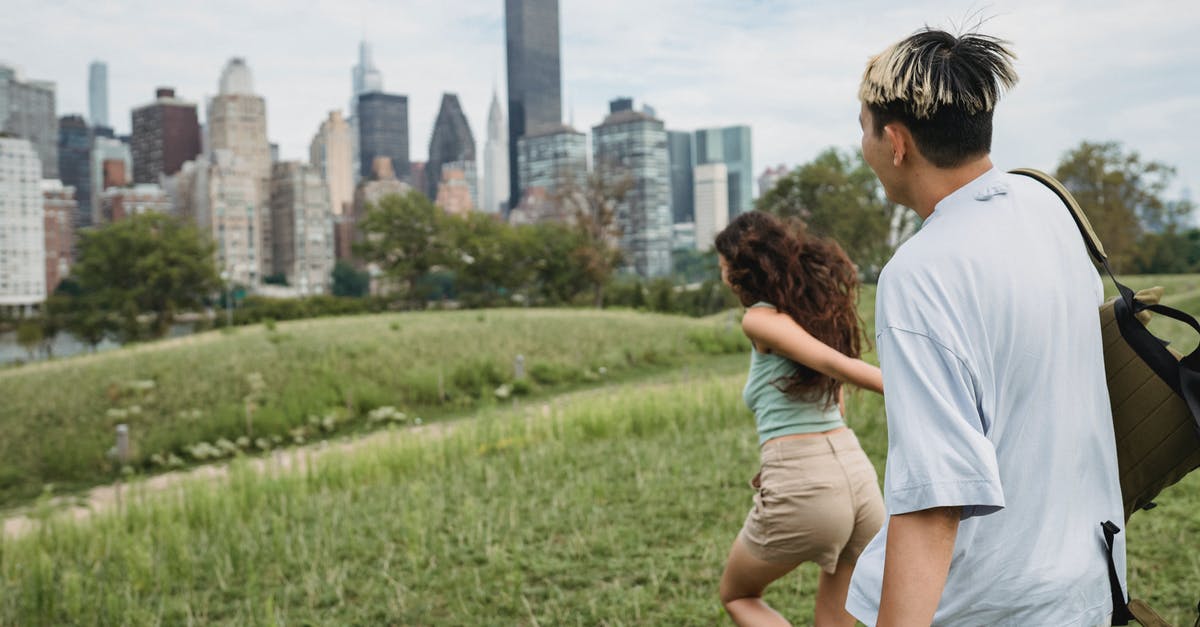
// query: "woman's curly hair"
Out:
[809,278]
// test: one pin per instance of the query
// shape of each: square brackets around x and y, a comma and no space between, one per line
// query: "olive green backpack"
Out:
[1155,398]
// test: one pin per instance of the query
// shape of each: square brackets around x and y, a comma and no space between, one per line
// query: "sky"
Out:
[1095,70]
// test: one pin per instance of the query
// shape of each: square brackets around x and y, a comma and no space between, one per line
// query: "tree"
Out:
[53,319]
[1121,194]
[406,237]
[556,274]
[149,264]
[349,281]
[838,196]
[593,210]
[491,260]
[29,336]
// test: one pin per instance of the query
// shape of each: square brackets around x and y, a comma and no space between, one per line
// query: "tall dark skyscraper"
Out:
[382,121]
[679,151]
[166,134]
[75,164]
[534,75]
[452,142]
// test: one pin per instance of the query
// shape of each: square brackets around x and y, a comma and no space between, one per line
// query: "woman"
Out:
[817,495]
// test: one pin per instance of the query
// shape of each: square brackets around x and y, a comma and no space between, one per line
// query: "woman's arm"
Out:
[774,331]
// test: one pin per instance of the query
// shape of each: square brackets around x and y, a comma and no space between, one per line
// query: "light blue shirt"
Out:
[989,340]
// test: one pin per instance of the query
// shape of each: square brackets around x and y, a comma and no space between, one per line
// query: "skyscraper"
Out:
[60,209]
[302,226]
[22,226]
[769,177]
[551,158]
[75,165]
[237,124]
[679,153]
[27,111]
[166,133]
[495,161]
[382,121]
[731,146]
[451,141]
[365,78]
[712,203]
[98,93]
[329,152]
[111,163]
[632,144]
[534,74]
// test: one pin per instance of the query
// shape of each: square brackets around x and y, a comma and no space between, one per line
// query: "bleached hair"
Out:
[932,68]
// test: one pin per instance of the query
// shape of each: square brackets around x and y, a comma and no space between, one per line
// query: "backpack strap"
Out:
[1182,375]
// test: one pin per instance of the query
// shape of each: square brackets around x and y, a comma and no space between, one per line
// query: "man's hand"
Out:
[917,559]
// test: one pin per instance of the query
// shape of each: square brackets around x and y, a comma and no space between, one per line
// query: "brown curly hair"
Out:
[809,278]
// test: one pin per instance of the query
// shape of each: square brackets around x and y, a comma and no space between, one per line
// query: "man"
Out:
[1001,461]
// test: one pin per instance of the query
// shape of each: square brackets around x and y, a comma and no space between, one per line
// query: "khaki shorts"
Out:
[816,499]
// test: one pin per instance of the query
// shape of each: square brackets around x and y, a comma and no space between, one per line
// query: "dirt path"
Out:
[103,498]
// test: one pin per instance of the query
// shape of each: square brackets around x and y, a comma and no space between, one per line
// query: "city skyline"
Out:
[789,72]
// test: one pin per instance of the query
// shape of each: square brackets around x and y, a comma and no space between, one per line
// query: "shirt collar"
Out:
[981,188]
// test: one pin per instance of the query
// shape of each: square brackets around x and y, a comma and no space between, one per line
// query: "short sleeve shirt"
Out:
[989,341]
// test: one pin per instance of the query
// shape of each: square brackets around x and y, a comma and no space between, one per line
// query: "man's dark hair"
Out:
[943,88]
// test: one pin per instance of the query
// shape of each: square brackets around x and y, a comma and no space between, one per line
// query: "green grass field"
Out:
[588,501]
[275,385]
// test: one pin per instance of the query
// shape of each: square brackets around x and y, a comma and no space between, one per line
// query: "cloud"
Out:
[1095,70]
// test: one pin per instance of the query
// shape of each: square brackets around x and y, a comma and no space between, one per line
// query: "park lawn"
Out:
[613,506]
[190,399]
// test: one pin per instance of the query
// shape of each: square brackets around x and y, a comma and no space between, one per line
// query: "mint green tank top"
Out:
[774,413]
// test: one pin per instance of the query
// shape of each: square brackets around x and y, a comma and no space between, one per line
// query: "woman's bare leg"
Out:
[831,597]
[742,586]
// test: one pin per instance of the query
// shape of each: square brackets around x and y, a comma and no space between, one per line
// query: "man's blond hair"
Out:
[932,69]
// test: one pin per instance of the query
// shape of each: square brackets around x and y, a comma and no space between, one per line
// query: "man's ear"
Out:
[900,140]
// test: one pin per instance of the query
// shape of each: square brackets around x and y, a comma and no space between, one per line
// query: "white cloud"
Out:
[1096,70]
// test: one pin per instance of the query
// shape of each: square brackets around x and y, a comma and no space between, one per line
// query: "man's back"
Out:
[989,341]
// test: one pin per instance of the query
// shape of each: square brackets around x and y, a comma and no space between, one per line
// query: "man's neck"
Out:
[933,184]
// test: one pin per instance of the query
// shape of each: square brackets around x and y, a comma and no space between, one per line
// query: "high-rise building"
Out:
[454,195]
[679,153]
[58,203]
[223,194]
[451,141]
[22,226]
[534,74]
[329,152]
[470,178]
[495,161]
[112,162]
[166,133]
[550,159]
[75,165]
[237,123]
[632,144]
[712,203]
[731,146]
[382,121]
[118,203]
[302,225]
[769,178]
[98,93]
[27,112]
[366,78]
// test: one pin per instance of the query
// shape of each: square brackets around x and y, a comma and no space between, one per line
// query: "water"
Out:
[66,345]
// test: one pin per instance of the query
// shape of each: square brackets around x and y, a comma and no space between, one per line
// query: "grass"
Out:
[581,513]
[191,399]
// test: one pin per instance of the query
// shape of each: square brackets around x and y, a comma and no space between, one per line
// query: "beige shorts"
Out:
[816,499]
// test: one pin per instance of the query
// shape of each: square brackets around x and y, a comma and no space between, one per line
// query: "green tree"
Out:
[29,336]
[557,273]
[838,196]
[593,209]
[491,260]
[146,265]
[350,281]
[406,236]
[1121,194]
[54,319]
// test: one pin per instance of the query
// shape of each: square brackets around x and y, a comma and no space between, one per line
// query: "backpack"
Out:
[1155,397]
